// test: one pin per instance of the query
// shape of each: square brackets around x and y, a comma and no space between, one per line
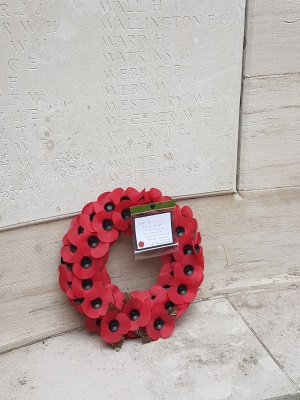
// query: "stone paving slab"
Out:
[212,355]
[275,318]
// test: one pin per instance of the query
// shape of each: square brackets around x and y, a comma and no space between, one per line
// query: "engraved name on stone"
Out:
[101,94]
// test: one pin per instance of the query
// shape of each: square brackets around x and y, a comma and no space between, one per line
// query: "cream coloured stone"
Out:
[101,94]
[274,317]
[206,365]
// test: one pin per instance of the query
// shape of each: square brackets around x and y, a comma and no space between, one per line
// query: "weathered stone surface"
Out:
[212,355]
[100,94]
[269,148]
[274,317]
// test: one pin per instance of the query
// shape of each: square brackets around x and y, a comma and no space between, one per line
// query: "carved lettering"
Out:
[51,26]
[28,26]
[19,45]
[4,12]
[137,92]
[6,28]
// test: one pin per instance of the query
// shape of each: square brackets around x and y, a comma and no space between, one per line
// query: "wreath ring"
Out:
[116,315]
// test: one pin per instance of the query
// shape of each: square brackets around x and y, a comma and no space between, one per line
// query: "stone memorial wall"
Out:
[100,94]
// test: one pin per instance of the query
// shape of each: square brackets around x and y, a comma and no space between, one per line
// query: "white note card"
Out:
[153,231]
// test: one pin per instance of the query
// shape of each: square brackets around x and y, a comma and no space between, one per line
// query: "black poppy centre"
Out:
[188,249]
[86,262]
[78,301]
[87,284]
[107,225]
[188,270]
[92,216]
[69,266]
[73,248]
[96,303]
[182,290]
[93,242]
[113,326]
[125,214]
[109,206]
[158,324]
[134,315]
[179,231]
[169,305]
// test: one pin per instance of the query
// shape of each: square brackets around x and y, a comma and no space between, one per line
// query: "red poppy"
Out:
[104,226]
[102,276]
[114,325]
[161,324]
[143,296]
[117,295]
[90,245]
[184,227]
[93,324]
[188,271]
[73,234]
[167,304]
[186,247]
[158,294]
[181,293]
[143,198]
[187,212]
[200,258]
[84,267]
[77,303]
[167,269]
[85,288]
[156,195]
[97,307]
[138,312]
[65,240]
[86,217]
[196,243]
[119,194]
[104,203]
[66,277]
[67,252]
[121,216]
[152,196]
[166,281]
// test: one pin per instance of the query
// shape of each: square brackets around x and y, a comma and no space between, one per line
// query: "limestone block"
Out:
[101,94]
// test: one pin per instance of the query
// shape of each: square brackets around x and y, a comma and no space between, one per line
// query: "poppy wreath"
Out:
[113,314]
